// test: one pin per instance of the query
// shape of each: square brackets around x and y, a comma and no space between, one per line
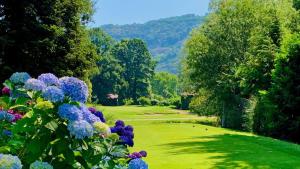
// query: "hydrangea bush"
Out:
[45,124]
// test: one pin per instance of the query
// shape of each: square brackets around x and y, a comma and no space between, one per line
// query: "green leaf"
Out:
[4,102]
[5,149]
[21,101]
[20,107]
[8,84]
[52,125]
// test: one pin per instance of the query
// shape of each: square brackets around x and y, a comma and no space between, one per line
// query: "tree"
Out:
[46,36]
[165,84]
[282,102]
[109,79]
[138,67]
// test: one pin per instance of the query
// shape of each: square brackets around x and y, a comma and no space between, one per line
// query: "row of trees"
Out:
[127,70]
[244,65]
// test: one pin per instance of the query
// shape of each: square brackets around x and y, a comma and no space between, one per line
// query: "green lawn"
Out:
[196,146]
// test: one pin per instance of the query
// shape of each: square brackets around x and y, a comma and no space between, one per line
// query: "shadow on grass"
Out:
[240,151]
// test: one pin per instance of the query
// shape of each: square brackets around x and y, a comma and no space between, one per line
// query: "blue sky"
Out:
[140,11]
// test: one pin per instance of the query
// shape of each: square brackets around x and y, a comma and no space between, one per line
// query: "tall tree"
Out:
[110,79]
[139,67]
[46,36]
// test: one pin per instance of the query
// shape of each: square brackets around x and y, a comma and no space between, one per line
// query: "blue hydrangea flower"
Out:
[35,85]
[7,133]
[88,116]
[49,79]
[4,115]
[80,129]
[76,89]
[8,161]
[69,112]
[53,94]
[40,165]
[137,164]
[19,77]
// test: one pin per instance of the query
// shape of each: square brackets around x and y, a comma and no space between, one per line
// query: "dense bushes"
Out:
[144,101]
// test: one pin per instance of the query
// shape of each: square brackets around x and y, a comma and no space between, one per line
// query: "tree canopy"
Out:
[232,59]
[46,36]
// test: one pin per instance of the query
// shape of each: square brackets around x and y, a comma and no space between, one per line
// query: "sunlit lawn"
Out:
[195,146]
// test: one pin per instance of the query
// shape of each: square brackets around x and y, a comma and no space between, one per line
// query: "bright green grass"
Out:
[195,146]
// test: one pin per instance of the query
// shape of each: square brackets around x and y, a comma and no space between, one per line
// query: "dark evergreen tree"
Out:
[45,36]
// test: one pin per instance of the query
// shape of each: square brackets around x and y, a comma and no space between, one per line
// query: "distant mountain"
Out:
[164,37]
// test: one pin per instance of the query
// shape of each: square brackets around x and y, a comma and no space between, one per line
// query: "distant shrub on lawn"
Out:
[128,101]
[46,121]
[144,101]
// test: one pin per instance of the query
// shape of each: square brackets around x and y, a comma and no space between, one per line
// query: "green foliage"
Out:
[128,101]
[284,93]
[164,37]
[165,85]
[138,67]
[144,101]
[296,4]
[231,56]
[46,36]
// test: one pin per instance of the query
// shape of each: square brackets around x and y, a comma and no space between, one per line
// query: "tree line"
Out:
[127,72]
[243,66]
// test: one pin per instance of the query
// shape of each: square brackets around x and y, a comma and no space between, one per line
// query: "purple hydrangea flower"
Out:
[92,109]
[53,94]
[129,128]
[69,112]
[17,117]
[87,115]
[99,114]
[35,85]
[49,79]
[137,164]
[19,77]
[117,129]
[120,123]
[143,153]
[5,91]
[76,89]
[135,155]
[8,161]
[128,134]
[81,129]
[127,141]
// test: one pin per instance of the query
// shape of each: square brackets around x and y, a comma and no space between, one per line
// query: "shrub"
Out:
[144,101]
[175,101]
[154,102]
[128,101]
[164,103]
[49,123]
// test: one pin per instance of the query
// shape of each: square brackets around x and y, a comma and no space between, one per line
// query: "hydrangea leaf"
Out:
[52,125]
